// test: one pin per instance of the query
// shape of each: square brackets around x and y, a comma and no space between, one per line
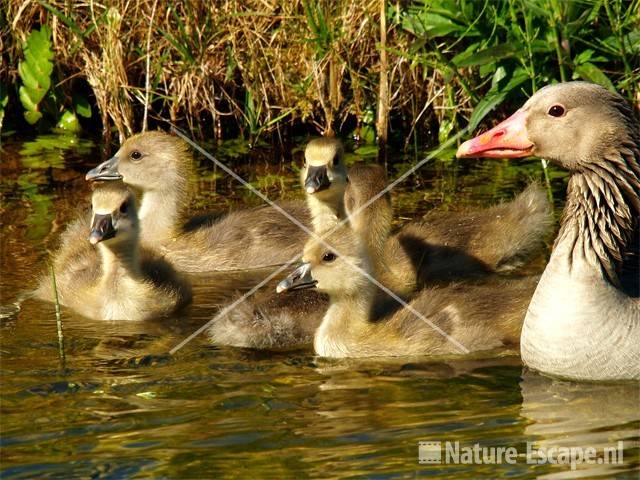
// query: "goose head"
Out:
[115,220]
[572,124]
[149,161]
[324,174]
[328,265]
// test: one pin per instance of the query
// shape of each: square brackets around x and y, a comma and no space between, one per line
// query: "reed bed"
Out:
[415,69]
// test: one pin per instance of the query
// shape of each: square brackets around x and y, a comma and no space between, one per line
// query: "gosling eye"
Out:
[336,160]
[124,208]
[136,155]
[328,257]
[556,110]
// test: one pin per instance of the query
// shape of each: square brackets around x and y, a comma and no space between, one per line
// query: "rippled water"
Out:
[123,407]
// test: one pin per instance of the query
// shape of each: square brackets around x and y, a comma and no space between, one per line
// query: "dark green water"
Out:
[123,407]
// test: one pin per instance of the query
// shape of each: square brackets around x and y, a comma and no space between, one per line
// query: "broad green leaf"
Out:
[542,46]
[583,57]
[367,134]
[431,25]
[492,54]
[367,151]
[632,40]
[28,78]
[35,72]
[495,97]
[82,106]
[41,68]
[467,53]
[588,71]
[500,73]
[68,122]
[486,70]
[26,100]
[32,116]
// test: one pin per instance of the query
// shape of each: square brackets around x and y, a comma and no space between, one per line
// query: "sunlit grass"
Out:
[229,68]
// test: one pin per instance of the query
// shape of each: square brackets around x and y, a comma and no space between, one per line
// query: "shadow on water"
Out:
[125,407]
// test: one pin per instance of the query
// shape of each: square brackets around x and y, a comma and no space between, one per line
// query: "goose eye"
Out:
[556,111]
[124,207]
[328,257]
[135,155]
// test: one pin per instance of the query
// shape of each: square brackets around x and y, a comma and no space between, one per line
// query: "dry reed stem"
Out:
[187,72]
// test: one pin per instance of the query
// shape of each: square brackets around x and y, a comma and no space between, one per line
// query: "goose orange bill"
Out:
[506,140]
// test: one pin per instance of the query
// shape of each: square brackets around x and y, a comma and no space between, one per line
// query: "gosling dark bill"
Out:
[106,171]
[317,179]
[101,228]
[299,279]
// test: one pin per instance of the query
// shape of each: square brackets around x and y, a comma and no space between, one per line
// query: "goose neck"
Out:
[325,213]
[160,213]
[120,259]
[600,216]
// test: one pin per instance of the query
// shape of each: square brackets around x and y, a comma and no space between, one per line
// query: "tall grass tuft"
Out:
[227,68]
[56,302]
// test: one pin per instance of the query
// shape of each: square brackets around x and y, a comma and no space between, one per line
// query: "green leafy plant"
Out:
[227,66]
[36,93]
[4,100]
[35,72]
[517,46]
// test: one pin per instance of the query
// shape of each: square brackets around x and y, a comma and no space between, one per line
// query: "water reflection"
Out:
[568,414]
[123,407]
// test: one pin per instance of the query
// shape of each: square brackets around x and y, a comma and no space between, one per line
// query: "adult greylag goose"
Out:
[458,318]
[125,281]
[583,322]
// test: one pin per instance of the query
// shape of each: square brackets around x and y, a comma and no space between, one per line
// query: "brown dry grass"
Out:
[255,61]
[261,65]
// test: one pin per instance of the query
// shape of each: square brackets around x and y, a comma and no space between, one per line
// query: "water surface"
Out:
[122,407]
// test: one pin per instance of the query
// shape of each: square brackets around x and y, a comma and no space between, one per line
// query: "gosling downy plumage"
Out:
[159,165]
[400,262]
[124,281]
[269,321]
[324,178]
[444,247]
[460,318]
[584,319]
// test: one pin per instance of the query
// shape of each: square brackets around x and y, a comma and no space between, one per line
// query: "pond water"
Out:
[121,406]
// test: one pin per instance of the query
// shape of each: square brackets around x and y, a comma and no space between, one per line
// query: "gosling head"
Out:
[147,161]
[329,266]
[115,219]
[324,174]
[572,124]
